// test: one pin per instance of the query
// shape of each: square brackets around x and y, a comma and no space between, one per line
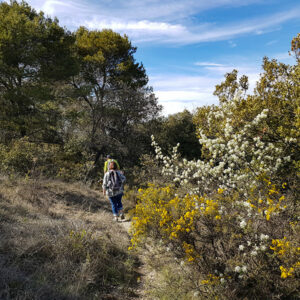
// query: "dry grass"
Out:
[58,241]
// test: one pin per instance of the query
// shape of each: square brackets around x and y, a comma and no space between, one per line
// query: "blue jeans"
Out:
[116,204]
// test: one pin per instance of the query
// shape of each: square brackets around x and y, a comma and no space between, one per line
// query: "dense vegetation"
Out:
[220,208]
[229,220]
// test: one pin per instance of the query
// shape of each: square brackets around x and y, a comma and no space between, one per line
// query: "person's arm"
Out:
[123,178]
[105,166]
[105,179]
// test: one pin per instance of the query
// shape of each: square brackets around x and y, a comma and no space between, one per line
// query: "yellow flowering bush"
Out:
[228,243]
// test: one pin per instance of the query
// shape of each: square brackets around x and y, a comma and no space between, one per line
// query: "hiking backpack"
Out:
[114,181]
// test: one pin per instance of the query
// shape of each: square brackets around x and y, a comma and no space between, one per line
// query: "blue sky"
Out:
[187,46]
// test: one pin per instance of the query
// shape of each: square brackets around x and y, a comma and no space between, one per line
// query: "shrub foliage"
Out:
[232,216]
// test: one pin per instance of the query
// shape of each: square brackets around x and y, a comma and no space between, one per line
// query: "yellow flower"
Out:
[286,272]
[283,274]
[174,234]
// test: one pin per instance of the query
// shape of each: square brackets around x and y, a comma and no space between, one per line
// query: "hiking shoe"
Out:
[122,216]
[116,218]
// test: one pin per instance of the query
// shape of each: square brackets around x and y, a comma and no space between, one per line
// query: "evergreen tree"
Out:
[112,91]
[35,57]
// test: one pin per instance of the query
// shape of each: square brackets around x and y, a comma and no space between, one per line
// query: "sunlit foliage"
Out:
[232,215]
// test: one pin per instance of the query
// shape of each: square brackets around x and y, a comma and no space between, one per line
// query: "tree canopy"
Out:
[111,87]
[35,54]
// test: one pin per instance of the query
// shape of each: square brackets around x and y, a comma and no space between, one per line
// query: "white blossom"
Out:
[264,237]
[263,247]
[222,280]
[243,224]
[241,247]
[237,269]
[196,294]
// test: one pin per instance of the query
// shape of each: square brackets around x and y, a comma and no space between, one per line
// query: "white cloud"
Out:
[60,8]
[282,56]
[52,7]
[165,22]
[181,34]
[208,64]
[177,92]
[173,107]
[183,96]
[271,42]
[170,10]
[238,63]
[167,10]
[229,31]
[167,82]
[177,101]
[136,28]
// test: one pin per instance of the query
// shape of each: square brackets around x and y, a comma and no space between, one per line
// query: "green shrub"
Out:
[25,157]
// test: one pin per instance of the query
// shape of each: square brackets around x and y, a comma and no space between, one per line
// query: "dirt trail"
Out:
[142,268]
[125,224]
[103,210]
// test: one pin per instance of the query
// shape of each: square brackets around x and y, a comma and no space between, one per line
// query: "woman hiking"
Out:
[113,187]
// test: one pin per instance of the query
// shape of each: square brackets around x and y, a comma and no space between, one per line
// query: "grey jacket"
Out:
[105,185]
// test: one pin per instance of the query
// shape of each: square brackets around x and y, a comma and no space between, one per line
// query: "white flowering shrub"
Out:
[236,156]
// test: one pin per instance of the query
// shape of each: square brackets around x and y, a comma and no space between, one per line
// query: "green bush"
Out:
[25,157]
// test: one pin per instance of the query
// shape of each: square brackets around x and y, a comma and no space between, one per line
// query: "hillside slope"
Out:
[58,241]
